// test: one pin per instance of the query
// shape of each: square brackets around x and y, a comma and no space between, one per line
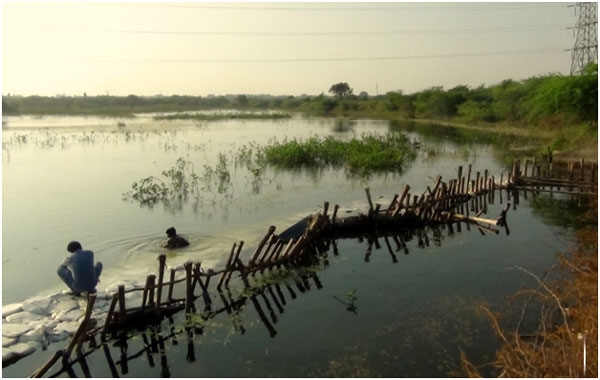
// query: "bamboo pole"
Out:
[460,218]
[171,285]
[82,328]
[109,315]
[335,210]
[391,206]
[145,292]
[162,259]
[273,243]
[468,181]
[401,201]
[228,266]
[189,292]
[151,279]
[260,245]
[237,263]
[368,192]
[121,291]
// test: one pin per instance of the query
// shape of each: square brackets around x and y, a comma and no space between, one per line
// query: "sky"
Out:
[277,48]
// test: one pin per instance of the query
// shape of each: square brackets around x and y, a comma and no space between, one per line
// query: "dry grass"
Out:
[566,341]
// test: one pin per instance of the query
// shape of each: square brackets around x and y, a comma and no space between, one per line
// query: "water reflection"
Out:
[152,349]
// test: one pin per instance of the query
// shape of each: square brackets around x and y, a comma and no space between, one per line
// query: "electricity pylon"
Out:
[586,42]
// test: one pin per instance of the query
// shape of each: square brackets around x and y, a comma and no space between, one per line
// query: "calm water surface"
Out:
[64,179]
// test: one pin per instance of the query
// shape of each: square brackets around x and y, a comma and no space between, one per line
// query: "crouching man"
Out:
[78,270]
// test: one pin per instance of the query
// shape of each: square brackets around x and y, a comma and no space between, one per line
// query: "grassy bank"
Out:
[565,300]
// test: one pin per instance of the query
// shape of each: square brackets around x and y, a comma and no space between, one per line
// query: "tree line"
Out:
[549,100]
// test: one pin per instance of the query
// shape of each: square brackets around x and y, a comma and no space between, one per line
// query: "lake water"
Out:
[63,179]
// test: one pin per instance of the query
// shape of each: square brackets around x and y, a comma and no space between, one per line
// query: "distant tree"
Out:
[341,89]
[242,100]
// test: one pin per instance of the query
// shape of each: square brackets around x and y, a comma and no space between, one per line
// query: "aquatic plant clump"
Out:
[365,155]
[179,181]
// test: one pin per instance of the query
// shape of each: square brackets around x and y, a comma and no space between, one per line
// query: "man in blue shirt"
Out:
[78,270]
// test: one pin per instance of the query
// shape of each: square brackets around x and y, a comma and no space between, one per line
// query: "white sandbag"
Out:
[101,304]
[58,336]
[64,306]
[38,334]
[11,309]
[38,305]
[18,350]
[6,341]
[13,330]
[69,316]
[69,327]
[114,287]
[23,317]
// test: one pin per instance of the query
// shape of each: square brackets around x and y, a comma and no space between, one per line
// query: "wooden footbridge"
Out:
[448,203]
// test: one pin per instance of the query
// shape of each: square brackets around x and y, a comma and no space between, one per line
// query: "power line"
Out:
[383,7]
[331,59]
[352,33]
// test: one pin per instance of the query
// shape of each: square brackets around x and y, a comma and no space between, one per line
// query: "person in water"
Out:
[175,241]
[78,270]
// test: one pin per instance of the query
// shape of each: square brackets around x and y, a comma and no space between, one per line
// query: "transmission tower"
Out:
[586,42]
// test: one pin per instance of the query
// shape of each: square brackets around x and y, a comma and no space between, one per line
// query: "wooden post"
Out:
[368,192]
[468,177]
[485,179]
[260,246]
[335,210]
[581,164]
[515,177]
[460,169]
[273,243]
[274,253]
[121,291]
[228,265]
[325,208]
[171,285]
[237,263]
[109,315]
[189,294]
[162,259]
[571,168]
[152,285]
[205,295]
[401,201]
[145,292]
[391,206]
[82,327]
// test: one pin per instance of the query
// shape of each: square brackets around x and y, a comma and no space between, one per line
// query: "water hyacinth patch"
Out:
[368,154]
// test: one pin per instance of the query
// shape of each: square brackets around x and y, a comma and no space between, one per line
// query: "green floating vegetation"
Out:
[368,154]
[224,116]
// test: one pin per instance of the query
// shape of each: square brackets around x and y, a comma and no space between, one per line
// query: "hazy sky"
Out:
[279,48]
